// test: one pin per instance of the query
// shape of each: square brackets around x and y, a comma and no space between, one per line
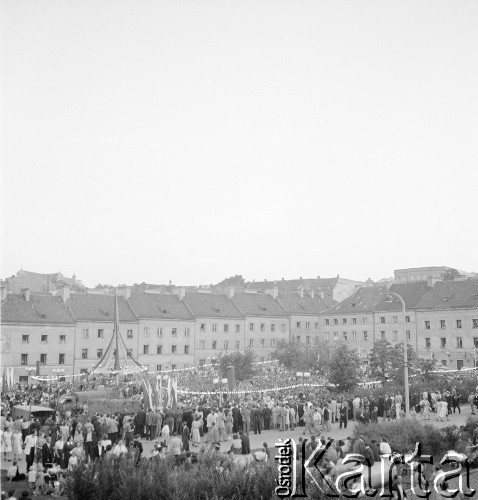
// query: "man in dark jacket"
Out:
[185,437]
[246,445]
[236,415]
[267,418]
[47,457]
[140,422]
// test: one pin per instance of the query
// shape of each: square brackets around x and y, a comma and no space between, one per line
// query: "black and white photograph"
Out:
[239,249]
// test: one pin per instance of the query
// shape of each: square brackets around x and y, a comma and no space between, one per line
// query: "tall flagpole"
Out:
[116,332]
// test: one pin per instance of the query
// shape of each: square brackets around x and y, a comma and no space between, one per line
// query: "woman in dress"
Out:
[195,435]
[165,433]
[7,444]
[17,444]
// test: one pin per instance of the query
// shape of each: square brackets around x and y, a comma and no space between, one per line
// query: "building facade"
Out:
[447,318]
[165,331]
[36,329]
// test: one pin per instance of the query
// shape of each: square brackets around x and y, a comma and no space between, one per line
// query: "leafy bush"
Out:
[471,423]
[117,479]
[403,435]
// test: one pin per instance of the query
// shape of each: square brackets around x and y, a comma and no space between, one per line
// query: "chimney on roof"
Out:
[273,292]
[312,294]
[124,291]
[230,292]
[64,293]
[181,292]
[26,293]
[4,293]
[282,279]
[300,278]
[301,292]
[318,277]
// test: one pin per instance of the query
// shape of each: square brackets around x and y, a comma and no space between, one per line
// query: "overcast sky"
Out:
[195,140]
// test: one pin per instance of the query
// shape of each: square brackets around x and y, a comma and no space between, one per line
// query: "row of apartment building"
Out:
[71,331]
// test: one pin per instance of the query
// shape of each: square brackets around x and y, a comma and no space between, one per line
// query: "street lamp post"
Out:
[405,354]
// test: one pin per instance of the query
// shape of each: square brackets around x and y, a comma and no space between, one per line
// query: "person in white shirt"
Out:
[120,449]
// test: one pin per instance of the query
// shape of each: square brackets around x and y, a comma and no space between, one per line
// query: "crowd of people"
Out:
[200,423]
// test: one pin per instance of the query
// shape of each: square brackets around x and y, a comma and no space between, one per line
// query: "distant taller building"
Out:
[429,274]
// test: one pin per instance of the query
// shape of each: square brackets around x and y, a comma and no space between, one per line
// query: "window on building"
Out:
[159,367]
[459,342]
[263,327]
[474,322]
[129,353]
[251,342]
[427,325]
[327,336]
[443,342]
[84,354]
[382,335]
[25,339]
[273,327]
[187,332]
[407,319]
[159,349]
[62,339]
[283,328]
[428,342]
[226,328]
[327,322]
[23,379]
[101,333]
[395,336]
[336,335]
[43,359]
[99,353]
[408,335]
[186,349]
[226,345]
[344,335]
[365,335]
[203,344]
[307,340]
[444,362]
[202,328]
[354,335]
[214,344]
[214,327]
[174,332]
[85,333]
[354,321]
[263,341]
[458,323]
[24,359]
[442,324]
[173,367]
[316,325]
[238,328]
[262,359]
[251,327]
[174,349]
[273,342]
[394,319]
[307,325]
[146,349]
[475,342]
[336,321]
[344,321]
[382,319]
[129,334]
[298,338]
[44,339]
[202,362]
[238,344]
[364,321]
[83,370]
